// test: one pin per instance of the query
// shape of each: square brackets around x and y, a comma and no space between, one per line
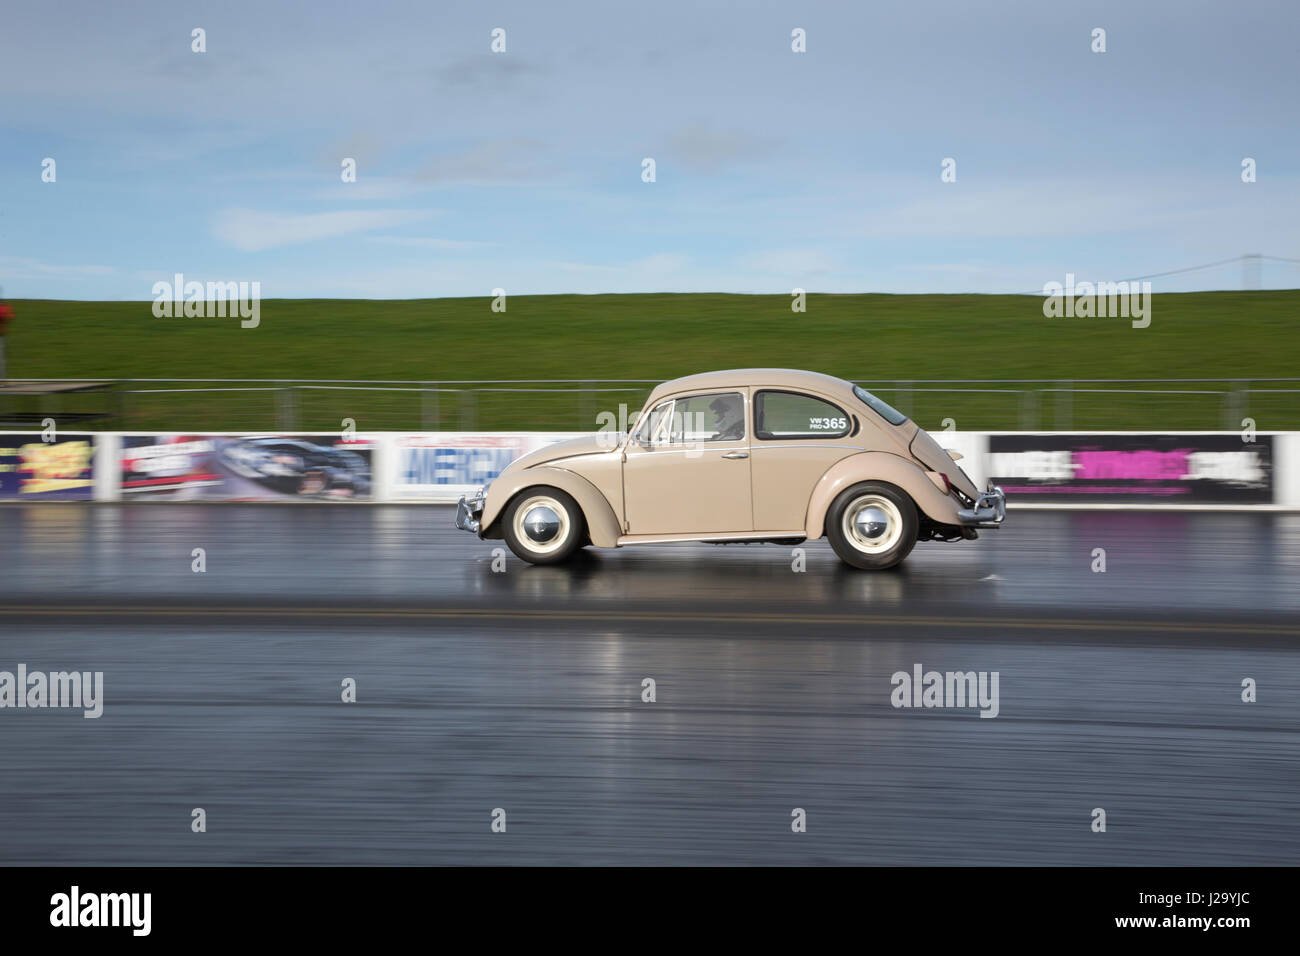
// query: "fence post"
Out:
[1029,410]
[903,391]
[285,411]
[586,408]
[1064,407]
[468,410]
[429,412]
[1236,406]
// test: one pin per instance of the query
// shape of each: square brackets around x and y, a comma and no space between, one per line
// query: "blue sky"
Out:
[522,170]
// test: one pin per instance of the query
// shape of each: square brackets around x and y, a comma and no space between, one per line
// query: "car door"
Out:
[687,467]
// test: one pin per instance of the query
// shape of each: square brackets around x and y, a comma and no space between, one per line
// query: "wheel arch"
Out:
[602,524]
[906,475]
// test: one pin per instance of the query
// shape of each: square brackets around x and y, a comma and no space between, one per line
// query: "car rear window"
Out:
[795,415]
[886,411]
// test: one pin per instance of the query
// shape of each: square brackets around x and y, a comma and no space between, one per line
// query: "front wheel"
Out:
[544,525]
[872,525]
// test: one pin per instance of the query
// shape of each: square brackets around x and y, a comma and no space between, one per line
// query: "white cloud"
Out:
[251,231]
[492,162]
[584,267]
[426,242]
[370,188]
[661,263]
[1177,205]
[791,262]
[22,267]
[708,149]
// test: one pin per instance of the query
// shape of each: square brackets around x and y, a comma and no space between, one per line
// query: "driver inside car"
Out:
[728,418]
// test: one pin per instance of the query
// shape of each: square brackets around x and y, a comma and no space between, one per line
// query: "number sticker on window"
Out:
[827,424]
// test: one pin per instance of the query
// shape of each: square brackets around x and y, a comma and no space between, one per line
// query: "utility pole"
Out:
[1251,272]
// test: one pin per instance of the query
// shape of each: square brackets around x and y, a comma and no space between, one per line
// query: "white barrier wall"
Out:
[1066,470]
[1287,494]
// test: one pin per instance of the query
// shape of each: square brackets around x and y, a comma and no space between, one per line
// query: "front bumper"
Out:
[468,511]
[989,511]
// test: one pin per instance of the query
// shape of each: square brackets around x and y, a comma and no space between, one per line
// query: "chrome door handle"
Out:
[736,454]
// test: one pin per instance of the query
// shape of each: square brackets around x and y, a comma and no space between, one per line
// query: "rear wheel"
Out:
[544,525]
[872,525]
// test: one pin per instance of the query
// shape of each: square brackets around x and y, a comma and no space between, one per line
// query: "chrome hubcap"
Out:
[872,524]
[541,523]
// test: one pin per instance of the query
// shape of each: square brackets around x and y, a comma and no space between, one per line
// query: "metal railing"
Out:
[289,405]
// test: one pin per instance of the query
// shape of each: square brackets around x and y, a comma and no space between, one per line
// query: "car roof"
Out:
[757,377]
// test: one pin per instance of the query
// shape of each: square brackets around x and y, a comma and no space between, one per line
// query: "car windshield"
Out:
[886,411]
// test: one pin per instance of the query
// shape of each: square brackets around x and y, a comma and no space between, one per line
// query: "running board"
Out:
[627,539]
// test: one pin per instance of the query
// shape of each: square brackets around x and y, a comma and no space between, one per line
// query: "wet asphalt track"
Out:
[521,690]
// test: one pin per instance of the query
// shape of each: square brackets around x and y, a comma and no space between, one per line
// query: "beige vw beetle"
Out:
[743,455]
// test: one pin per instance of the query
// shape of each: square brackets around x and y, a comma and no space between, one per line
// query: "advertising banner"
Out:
[247,468]
[443,465]
[1054,470]
[1133,469]
[35,470]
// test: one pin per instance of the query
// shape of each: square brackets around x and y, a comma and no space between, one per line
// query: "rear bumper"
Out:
[468,510]
[989,511]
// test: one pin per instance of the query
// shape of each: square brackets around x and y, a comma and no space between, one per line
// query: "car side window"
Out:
[719,416]
[653,428]
[795,415]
